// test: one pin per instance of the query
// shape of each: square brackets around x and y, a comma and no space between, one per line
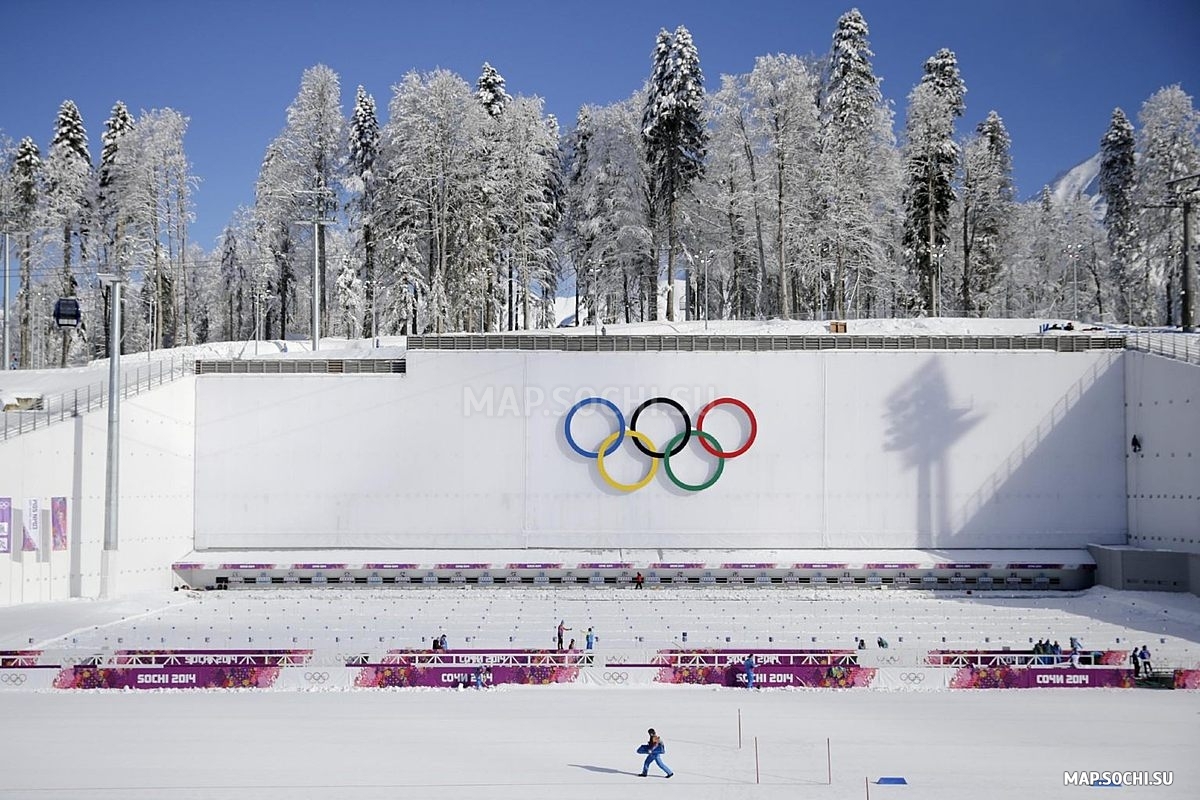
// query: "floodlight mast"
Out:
[1183,200]
[112,494]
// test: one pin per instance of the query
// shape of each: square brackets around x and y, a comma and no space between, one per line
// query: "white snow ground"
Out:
[525,743]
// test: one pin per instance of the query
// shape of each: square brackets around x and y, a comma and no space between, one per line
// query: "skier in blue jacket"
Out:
[749,664]
[654,750]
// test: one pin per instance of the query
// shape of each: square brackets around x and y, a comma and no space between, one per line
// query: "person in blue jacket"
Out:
[749,664]
[653,751]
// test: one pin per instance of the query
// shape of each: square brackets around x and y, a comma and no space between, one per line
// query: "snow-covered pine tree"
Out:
[26,178]
[490,91]
[783,95]
[1170,148]
[364,147]
[733,189]
[315,137]
[275,208]
[675,136]
[1117,176]
[107,225]
[931,157]
[987,206]
[859,170]
[431,173]
[68,180]
[608,222]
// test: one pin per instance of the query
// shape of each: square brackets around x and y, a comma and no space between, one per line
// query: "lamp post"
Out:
[112,495]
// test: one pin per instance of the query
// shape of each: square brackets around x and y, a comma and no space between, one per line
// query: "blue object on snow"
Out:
[892,781]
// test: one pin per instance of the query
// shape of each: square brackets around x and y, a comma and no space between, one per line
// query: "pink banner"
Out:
[190,677]
[553,669]
[58,522]
[1005,677]
[5,524]
[1187,679]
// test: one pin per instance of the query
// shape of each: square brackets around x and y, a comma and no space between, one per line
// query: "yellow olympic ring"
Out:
[626,487]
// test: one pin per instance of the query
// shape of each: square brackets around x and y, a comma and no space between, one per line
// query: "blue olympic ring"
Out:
[612,448]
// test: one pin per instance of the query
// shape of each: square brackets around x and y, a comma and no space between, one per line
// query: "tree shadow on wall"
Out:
[923,424]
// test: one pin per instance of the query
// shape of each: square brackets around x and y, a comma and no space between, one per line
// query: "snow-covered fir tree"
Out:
[26,180]
[364,148]
[68,176]
[783,92]
[1117,164]
[1170,148]
[675,136]
[859,172]
[489,90]
[931,158]
[986,208]
[315,139]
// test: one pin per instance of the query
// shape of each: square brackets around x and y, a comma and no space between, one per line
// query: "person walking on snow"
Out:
[590,639]
[749,664]
[653,750]
[562,627]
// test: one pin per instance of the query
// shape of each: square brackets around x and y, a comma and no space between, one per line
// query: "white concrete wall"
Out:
[1163,410]
[67,459]
[855,449]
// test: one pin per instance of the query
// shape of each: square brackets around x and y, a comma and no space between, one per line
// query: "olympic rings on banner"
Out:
[687,427]
[616,677]
[620,437]
[316,677]
[637,436]
[16,679]
[912,677]
[674,447]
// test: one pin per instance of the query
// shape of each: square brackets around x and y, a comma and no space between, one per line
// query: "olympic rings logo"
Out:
[912,677]
[316,677]
[673,448]
[616,677]
[15,679]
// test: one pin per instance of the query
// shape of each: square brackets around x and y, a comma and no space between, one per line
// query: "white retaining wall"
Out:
[67,459]
[855,449]
[1163,410]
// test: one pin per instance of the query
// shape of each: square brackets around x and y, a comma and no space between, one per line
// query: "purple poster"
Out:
[5,524]
[58,522]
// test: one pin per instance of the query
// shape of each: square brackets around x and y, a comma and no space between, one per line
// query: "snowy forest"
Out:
[785,192]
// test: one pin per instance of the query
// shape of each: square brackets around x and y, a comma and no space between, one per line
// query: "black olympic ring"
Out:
[15,680]
[912,677]
[316,677]
[616,677]
[687,426]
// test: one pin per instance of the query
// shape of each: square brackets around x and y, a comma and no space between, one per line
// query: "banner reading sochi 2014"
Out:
[58,522]
[33,525]
[5,524]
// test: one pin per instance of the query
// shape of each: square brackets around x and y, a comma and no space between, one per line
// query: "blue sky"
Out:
[1053,70]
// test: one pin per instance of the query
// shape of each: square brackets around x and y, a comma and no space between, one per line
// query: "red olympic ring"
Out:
[733,401]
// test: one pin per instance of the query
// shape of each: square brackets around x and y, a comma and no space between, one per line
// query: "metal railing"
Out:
[1179,346]
[306,366]
[135,379]
[678,343]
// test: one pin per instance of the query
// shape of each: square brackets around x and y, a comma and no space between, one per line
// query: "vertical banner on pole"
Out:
[5,524]
[58,522]
[33,524]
